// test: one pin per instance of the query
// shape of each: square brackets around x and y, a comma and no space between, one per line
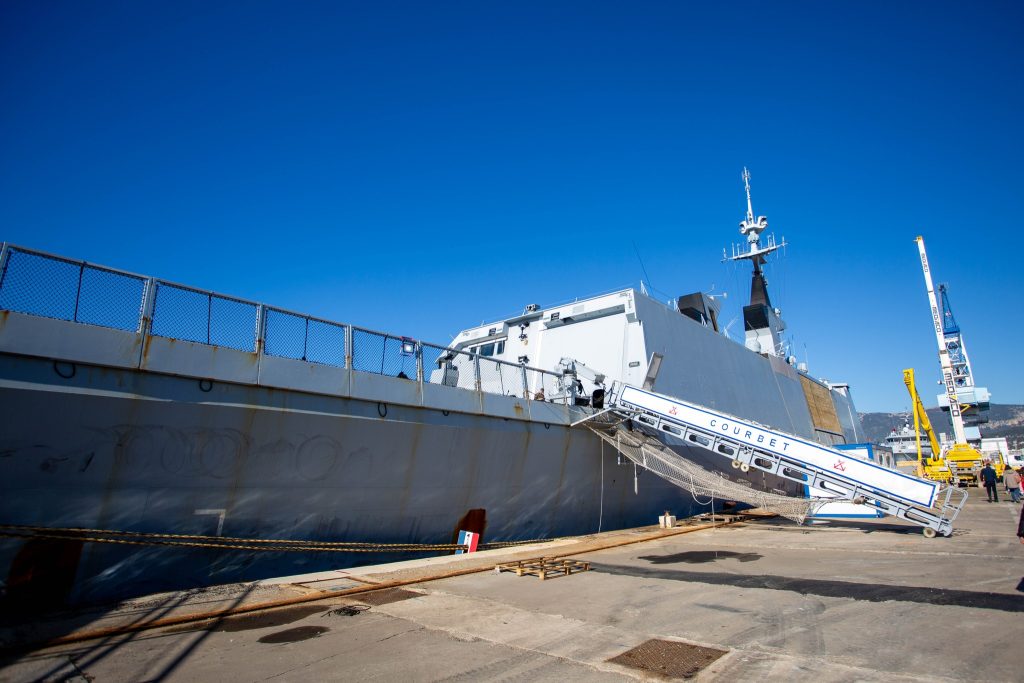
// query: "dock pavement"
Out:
[736,598]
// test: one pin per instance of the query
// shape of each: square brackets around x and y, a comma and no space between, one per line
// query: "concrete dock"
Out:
[748,599]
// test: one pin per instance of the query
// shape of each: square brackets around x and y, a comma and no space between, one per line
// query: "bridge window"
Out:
[495,348]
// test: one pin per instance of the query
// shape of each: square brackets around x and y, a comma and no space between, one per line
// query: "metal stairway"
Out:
[749,445]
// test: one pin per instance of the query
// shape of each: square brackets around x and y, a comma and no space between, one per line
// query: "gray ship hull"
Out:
[125,450]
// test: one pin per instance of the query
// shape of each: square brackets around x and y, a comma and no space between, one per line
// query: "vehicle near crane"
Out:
[934,466]
[964,460]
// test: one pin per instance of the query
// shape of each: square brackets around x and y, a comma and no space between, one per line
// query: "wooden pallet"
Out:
[544,567]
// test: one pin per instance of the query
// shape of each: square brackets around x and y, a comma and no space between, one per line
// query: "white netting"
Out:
[651,454]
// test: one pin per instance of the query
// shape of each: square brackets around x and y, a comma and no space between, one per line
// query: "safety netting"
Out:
[652,454]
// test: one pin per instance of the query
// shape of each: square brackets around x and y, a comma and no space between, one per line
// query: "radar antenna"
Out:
[750,207]
[753,227]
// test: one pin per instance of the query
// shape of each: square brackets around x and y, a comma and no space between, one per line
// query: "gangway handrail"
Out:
[748,444]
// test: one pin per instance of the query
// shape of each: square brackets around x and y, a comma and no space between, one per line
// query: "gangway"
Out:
[747,445]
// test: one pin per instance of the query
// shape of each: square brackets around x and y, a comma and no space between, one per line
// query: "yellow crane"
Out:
[933,467]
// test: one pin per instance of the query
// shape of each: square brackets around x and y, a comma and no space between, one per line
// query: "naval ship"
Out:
[903,444]
[134,405]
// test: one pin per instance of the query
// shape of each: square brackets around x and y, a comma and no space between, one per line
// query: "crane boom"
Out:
[920,415]
[959,434]
[935,467]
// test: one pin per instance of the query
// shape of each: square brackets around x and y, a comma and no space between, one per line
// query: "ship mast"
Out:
[753,227]
[761,321]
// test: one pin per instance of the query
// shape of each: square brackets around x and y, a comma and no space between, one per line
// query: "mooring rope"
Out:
[234,543]
[310,547]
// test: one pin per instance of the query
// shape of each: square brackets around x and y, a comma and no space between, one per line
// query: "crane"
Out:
[964,460]
[934,467]
[572,387]
[974,400]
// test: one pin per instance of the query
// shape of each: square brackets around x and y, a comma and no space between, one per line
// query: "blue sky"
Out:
[418,168]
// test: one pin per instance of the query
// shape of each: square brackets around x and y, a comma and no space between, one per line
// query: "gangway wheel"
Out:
[928,532]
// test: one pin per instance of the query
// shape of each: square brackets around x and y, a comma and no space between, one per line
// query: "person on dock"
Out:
[1012,481]
[988,478]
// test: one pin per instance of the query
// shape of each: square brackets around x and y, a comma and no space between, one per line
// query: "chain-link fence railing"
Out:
[500,377]
[204,317]
[325,343]
[383,354]
[448,367]
[542,385]
[290,335]
[53,287]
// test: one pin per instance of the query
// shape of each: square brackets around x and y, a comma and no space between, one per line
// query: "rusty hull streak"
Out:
[146,343]
[566,444]
[411,469]
[118,462]
[520,462]
[241,460]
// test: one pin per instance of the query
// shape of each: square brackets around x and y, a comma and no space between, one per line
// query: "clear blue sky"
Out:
[420,167]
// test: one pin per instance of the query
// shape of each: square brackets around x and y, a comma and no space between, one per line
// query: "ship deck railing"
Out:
[127,320]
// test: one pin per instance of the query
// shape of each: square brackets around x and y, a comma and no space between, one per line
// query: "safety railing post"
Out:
[145,328]
[261,329]
[4,255]
[526,385]
[420,374]
[78,292]
[209,317]
[261,334]
[348,347]
[305,342]
[477,382]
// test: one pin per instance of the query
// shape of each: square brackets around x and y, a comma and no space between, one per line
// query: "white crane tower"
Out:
[963,459]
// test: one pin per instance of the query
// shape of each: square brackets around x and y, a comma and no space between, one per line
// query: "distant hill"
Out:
[1004,420]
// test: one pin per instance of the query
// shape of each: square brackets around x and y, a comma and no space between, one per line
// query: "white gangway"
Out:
[750,445]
